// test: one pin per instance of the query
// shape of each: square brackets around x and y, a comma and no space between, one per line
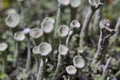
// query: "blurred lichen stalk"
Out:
[78,42]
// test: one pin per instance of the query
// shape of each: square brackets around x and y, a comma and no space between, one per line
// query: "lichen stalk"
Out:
[15,54]
[58,68]
[28,62]
[57,19]
[104,74]
[84,31]
[41,69]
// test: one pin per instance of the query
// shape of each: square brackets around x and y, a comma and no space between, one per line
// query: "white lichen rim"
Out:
[75,3]
[64,2]
[12,20]
[49,19]
[11,11]
[36,50]
[63,50]
[19,36]
[3,46]
[45,48]
[36,32]
[71,70]
[78,61]
[75,24]
[104,23]
[63,30]
[92,2]
[47,24]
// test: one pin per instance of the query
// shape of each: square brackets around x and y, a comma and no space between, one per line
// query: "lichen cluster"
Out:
[73,41]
